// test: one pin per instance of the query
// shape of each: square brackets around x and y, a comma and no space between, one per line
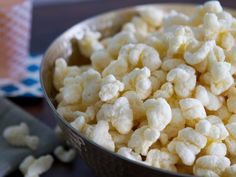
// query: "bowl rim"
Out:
[106,13]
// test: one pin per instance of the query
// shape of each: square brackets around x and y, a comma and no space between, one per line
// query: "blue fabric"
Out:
[28,86]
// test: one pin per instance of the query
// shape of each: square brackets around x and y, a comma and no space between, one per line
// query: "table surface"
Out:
[48,22]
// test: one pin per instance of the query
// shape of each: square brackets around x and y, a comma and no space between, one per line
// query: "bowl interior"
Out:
[66,46]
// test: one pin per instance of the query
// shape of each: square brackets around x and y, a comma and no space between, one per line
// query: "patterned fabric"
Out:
[15,26]
[29,85]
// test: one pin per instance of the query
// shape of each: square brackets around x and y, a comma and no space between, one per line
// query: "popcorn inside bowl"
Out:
[160,92]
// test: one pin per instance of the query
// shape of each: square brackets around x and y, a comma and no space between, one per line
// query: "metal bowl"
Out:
[104,162]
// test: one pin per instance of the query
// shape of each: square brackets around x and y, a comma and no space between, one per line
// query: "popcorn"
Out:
[210,165]
[231,139]
[178,39]
[162,159]
[32,167]
[89,42]
[175,18]
[63,155]
[184,80]
[230,171]
[136,104]
[221,79]
[192,109]
[138,80]
[158,42]
[164,139]
[83,88]
[157,78]
[152,16]
[158,113]
[142,139]
[208,100]
[212,6]
[119,114]
[176,124]
[60,73]
[215,148]
[129,154]
[118,41]
[68,112]
[231,100]
[100,59]
[196,57]
[231,58]
[120,140]
[187,145]
[165,80]
[213,128]
[99,133]
[110,88]
[138,27]
[133,55]
[169,64]
[223,113]
[227,41]
[166,91]
[19,136]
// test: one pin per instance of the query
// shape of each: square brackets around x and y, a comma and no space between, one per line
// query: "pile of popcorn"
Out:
[19,136]
[160,92]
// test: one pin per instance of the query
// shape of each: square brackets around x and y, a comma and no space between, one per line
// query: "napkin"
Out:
[10,156]
[18,71]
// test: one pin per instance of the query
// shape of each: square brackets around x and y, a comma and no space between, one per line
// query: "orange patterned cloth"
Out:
[15,26]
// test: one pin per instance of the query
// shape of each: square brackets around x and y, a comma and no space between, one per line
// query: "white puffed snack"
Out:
[119,40]
[210,166]
[171,63]
[157,78]
[184,79]
[110,88]
[60,73]
[199,55]
[129,154]
[89,42]
[119,114]
[100,59]
[231,100]
[221,78]
[19,135]
[216,148]
[212,127]
[151,15]
[160,91]
[192,109]
[32,167]
[166,91]
[132,56]
[162,159]
[231,139]
[136,104]
[99,133]
[158,113]
[208,99]
[187,145]
[176,124]
[230,171]
[63,155]
[138,80]
[142,139]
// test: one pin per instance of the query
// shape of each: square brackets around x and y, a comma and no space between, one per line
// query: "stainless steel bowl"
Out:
[104,163]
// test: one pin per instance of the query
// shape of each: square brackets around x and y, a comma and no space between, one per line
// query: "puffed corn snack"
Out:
[161,91]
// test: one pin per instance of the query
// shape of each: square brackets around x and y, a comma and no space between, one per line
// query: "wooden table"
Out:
[48,22]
